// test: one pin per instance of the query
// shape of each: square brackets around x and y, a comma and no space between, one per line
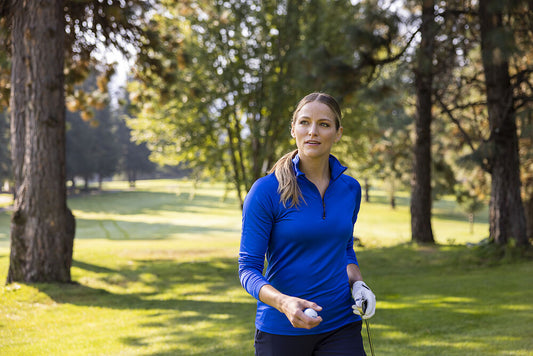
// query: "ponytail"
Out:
[288,188]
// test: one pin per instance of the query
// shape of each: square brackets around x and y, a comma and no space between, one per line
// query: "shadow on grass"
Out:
[482,217]
[115,229]
[116,207]
[91,267]
[191,305]
[136,202]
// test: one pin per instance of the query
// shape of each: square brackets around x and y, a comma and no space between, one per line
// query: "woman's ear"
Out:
[339,135]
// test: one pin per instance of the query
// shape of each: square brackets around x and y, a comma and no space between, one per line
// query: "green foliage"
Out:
[216,82]
[91,28]
[386,149]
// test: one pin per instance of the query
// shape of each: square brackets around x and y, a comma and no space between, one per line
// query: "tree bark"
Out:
[235,165]
[506,212]
[42,226]
[421,182]
[528,206]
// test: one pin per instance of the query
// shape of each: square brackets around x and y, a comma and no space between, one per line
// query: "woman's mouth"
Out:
[312,142]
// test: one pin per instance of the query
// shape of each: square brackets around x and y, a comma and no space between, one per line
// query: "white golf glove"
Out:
[365,300]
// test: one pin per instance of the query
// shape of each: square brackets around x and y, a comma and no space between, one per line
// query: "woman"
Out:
[301,216]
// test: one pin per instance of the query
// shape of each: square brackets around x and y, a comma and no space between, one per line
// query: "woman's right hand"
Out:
[293,308]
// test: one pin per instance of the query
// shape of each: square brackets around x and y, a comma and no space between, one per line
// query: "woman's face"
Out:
[315,131]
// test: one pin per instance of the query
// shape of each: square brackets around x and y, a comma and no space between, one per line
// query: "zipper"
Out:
[331,180]
[324,207]
[322,197]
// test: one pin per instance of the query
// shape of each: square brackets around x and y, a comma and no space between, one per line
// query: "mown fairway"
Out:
[156,274]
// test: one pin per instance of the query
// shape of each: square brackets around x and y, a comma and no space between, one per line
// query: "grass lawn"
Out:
[156,274]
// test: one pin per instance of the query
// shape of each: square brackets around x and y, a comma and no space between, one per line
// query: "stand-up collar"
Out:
[337,169]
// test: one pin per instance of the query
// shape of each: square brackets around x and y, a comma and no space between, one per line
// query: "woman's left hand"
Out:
[365,300]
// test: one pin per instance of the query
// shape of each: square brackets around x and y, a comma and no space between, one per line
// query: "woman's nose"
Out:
[313,129]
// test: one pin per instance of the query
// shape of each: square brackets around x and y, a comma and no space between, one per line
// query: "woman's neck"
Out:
[317,171]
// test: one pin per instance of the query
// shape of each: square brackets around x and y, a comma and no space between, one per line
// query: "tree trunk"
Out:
[506,212]
[73,185]
[18,129]
[421,182]
[367,190]
[239,150]
[528,206]
[392,194]
[235,165]
[42,228]
[132,177]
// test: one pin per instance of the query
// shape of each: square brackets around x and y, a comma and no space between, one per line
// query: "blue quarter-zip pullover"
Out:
[307,248]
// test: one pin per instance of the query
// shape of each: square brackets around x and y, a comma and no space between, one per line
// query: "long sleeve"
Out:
[257,221]
[350,253]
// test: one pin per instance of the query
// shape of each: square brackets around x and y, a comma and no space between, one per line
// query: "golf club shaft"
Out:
[369,338]
[362,310]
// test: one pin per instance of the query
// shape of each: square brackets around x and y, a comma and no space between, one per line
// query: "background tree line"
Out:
[447,112]
[99,144]
[437,97]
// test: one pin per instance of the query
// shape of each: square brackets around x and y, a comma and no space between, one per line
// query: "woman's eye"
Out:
[324,124]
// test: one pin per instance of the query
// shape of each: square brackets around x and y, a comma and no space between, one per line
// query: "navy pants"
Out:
[345,341]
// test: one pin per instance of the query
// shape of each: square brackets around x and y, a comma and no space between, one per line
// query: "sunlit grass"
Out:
[380,225]
[156,274]
[5,199]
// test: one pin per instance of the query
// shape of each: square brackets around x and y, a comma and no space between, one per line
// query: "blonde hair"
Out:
[288,188]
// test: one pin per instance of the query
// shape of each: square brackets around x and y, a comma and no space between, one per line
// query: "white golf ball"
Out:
[310,312]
